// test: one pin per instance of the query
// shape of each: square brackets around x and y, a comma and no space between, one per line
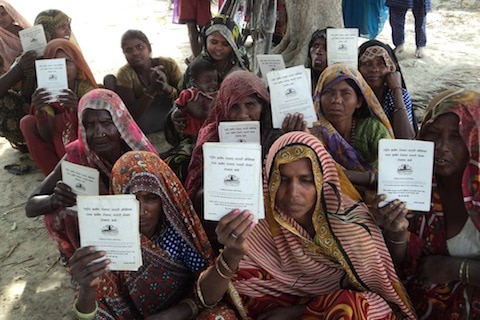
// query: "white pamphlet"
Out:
[33,39]
[111,224]
[81,179]
[342,46]
[270,62]
[232,179]
[405,169]
[239,131]
[52,76]
[290,93]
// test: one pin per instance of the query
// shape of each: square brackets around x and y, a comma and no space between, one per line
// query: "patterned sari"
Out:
[63,223]
[343,272]
[427,230]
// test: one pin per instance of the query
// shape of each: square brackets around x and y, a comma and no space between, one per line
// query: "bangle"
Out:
[461,270]
[200,295]
[84,316]
[371,180]
[224,263]
[467,274]
[51,201]
[148,95]
[395,242]
[224,276]
[173,94]
[193,307]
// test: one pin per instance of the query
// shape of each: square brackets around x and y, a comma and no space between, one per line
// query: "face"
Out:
[247,109]
[451,153]
[102,135]
[296,196]
[72,70]
[5,19]
[151,212]
[374,71]
[339,103]
[64,30]
[207,81]
[218,47]
[318,54]
[136,52]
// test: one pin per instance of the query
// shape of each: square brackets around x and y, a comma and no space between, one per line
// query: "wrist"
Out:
[396,237]
[150,94]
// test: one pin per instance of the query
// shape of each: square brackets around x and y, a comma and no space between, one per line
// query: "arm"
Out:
[401,123]
[16,72]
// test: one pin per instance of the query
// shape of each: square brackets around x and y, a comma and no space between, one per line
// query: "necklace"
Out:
[352,131]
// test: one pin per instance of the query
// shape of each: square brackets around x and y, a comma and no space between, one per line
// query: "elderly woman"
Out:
[351,122]
[106,130]
[379,66]
[438,252]
[318,254]
[53,124]
[317,55]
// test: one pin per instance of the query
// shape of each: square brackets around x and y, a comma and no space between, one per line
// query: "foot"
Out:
[399,49]
[419,52]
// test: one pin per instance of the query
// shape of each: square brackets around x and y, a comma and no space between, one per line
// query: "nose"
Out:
[336,97]
[442,145]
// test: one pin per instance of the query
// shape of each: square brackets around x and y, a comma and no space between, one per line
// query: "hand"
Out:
[393,80]
[159,80]
[437,269]
[283,313]
[294,123]
[40,98]
[86,272]
[233,229]
[179,121]
[26,60]
[69,100]
[392,216]
[63,196]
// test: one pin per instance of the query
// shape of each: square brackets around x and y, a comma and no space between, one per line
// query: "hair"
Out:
[317,34]
[135,34]
[198,66]
[363,111]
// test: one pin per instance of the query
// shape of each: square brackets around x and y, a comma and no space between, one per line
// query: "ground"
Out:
[33,285]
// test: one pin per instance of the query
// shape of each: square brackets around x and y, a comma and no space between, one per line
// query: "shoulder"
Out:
[371,126]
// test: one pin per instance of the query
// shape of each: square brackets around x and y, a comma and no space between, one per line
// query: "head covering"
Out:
[51,19]
[234,87]
[317,34]
[231,32]
[137,171]
[74,53]
[466,105]
[346,242]
[131,134]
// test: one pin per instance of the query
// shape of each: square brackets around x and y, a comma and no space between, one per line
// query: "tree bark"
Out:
[304,17]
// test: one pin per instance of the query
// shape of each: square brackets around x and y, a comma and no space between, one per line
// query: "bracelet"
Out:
[371,179]
[173,94]
[148,95]
[224,263]
[51,202]
[192,305]
[467,274]
[395,242]
[84,316]
[461,270]
[200,295]
[224,276]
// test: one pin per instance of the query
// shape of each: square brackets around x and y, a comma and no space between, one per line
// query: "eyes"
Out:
[344,93]
[138,47]
[103,123]
[377,63]
[307,179]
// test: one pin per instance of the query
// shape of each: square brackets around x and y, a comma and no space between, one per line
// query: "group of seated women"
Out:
[326,249]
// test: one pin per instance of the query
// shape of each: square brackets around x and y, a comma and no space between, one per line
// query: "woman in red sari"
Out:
[318,253]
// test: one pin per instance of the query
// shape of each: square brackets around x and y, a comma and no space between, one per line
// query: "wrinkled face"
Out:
[136,52]
[451,153]
[151,212]
[102,135]
[374,71]
[318,55]
[296,196]
[64,30]
[246,109]
[218,47]
[340,102]
[5,19]
[72,70]
[207,81]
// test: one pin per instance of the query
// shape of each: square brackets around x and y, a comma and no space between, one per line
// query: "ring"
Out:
[234,235]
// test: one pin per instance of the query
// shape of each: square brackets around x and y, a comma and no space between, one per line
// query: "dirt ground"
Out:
[33,285]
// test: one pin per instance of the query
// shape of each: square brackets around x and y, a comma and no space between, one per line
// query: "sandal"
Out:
[17,169]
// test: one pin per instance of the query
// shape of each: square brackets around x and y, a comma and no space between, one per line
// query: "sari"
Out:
[427,231]
[370,122]
[62,224]
[171,260]
[343,272]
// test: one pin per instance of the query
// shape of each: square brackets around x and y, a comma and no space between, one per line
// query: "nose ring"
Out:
[146,211]
[104,134]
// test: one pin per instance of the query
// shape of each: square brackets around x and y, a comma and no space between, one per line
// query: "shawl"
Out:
[347,241]
[51,19]
[10,45]
[236,86]
[341,150]
[131,295]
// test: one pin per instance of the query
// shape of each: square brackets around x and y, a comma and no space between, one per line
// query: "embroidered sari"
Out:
[344,271]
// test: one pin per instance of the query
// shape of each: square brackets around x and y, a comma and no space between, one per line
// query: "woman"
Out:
[318,253]
[438,252]
[351,122]
[146,84]
[53,124]
[174,250]
[379,66]
[317,55]
[56,24]
[105,132]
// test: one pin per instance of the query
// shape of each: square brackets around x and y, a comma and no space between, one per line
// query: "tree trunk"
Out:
[304,17]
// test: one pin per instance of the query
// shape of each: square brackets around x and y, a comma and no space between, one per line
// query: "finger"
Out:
[240,228]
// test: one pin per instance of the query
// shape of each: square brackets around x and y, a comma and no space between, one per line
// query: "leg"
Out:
[397,22]
[420,15]
[194,38]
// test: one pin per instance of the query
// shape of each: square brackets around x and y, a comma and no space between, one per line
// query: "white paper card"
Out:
[270,62]
[405,169]
[52,75]
[81,179]
[232,179]
[342,46]
[111,224]
[290,93]
[33,39]
[239,131]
